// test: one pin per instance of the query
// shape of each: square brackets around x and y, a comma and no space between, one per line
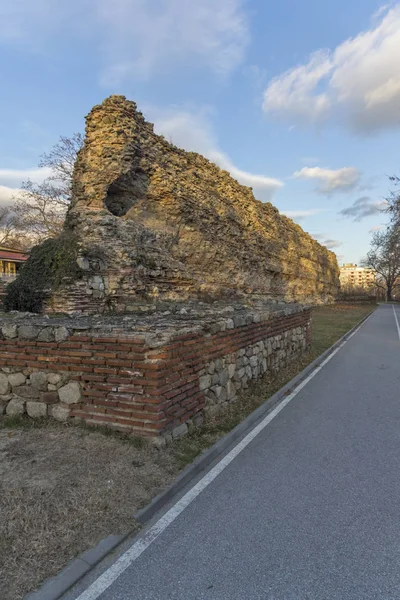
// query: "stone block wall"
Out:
[148,375]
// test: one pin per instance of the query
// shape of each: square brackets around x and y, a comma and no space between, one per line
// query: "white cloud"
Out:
[380,11]
[292,93]
[145,37]
[358,82]
[7,195]
[11,180]
[193,132]
[331,180]
[14,177]
[364,207]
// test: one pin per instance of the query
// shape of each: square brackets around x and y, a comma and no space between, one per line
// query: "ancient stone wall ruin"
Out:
[149,375]
[154,222]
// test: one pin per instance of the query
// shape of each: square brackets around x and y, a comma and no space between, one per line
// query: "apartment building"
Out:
[353,276]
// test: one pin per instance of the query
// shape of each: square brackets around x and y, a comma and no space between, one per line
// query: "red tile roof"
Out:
[13,256]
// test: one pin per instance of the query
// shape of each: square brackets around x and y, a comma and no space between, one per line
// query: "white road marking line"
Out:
[125,560]
[397,322]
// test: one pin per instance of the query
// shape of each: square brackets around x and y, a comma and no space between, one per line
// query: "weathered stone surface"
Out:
[59,413]
[9,331]
[49,397]
[70,393]
[27,332]
[180,430]
[230,390]
[4,384]
[16,406]
[224,377]
[16,379]
[46,335]
[4,398]
[205,382]
[156,222]
[36,410]
[54,378]
[26,391]
[61,334]
[39,380]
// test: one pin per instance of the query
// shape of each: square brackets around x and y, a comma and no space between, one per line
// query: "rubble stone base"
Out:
[155,374]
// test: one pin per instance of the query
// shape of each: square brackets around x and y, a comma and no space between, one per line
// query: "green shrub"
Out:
[43,273]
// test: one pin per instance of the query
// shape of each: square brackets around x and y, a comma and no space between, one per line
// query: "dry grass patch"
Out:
[62,490]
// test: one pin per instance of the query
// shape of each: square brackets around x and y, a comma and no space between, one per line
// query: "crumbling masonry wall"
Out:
[155,222]
[152,376]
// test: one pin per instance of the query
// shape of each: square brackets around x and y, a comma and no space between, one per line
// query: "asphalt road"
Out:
[310,509]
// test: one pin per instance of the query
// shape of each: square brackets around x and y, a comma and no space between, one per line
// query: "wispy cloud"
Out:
[148,37]
[324,240]
[193,131]
[331,244]
[136,39]
[331,180]
[362,208]
[299,215]
[358,82]
[14,177]
[11,180]
[376,228]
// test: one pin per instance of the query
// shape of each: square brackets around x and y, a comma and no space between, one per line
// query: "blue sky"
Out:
[300,100]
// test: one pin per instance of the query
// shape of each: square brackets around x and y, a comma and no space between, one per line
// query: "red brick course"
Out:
[130,386]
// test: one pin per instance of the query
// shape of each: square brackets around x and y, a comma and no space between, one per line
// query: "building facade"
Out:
[353,277]
[11,261]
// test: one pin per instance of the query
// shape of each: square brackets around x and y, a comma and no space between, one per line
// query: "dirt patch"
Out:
[62,490]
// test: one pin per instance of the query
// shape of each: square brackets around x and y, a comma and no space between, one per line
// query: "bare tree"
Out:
[61,160]
[41,207]
[12,234]
[384,257]
[393,200]
[7,225]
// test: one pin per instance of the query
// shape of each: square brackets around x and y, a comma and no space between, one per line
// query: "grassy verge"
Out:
[63,488]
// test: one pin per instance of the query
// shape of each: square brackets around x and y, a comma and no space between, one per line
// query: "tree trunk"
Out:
[389,293]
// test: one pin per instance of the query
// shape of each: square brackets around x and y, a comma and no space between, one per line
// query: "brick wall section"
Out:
[151,391]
